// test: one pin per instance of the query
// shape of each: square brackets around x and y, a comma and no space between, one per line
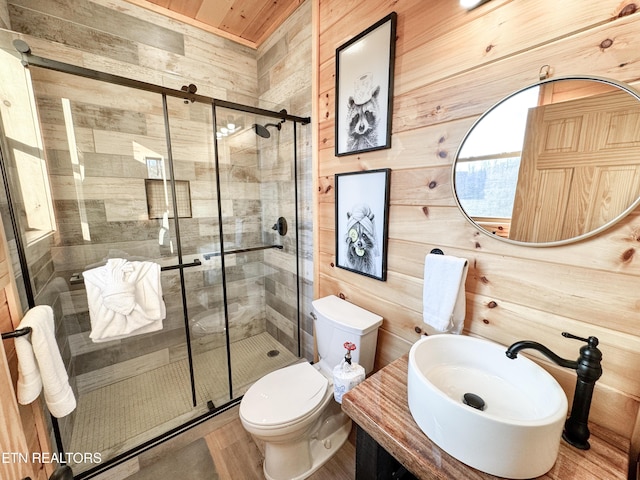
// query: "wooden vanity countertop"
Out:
[379,406]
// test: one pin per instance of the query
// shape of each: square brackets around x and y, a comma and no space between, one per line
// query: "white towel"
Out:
[444,302]
[125,298]
[40,364]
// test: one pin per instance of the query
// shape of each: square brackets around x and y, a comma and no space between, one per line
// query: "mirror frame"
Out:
[631,91]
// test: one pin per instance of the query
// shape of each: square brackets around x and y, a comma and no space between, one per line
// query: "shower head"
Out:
[263,130]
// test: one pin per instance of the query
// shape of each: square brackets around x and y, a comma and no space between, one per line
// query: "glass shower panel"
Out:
[193,152]
[109,173]
[257,185]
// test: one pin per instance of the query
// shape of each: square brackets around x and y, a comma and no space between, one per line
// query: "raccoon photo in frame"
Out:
[364,89]
[362,208]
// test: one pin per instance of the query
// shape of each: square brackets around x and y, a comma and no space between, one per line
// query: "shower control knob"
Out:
[280,226]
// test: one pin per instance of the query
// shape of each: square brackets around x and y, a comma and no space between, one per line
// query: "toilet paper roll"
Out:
[346,377]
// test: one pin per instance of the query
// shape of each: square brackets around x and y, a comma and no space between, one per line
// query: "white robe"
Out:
[125,298]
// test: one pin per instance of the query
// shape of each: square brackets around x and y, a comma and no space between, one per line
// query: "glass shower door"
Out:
[190,128]
[256,172]
[112,190]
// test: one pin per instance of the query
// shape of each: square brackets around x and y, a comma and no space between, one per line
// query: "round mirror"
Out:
[553,163]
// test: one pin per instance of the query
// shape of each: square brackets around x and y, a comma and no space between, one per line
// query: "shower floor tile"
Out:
[117,417]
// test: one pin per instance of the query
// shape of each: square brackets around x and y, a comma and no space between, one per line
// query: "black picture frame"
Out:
[364,89]
[362,220]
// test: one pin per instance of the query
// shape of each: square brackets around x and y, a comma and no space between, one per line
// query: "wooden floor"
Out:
[234,453]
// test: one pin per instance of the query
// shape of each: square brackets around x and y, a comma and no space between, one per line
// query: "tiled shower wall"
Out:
[4,14]
[284,78]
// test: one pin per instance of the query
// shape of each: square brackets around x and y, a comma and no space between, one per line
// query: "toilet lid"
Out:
[284,395]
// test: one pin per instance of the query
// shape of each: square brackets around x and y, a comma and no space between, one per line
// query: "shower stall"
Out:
[206,189]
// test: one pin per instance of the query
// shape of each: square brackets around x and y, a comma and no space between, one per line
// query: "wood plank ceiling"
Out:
[248,22]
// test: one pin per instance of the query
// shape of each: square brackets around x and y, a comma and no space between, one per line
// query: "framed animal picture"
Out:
[364,89]
[362,211]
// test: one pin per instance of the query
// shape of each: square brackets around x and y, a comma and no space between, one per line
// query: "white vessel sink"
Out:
[516,435]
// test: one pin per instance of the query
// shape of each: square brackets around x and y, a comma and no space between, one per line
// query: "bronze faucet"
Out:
[589,369]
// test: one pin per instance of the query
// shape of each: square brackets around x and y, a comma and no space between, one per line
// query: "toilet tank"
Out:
[338,321]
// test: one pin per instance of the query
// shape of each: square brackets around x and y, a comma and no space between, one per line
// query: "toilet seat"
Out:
[284,396]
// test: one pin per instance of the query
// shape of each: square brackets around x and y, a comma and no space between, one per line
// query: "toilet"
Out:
[293,411]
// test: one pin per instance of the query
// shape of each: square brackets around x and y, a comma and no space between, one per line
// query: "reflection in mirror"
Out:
[553,163]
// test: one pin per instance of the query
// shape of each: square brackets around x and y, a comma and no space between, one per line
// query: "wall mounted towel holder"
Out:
[437,251]
[17,333]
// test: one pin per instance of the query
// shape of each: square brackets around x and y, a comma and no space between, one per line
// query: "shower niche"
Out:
[135,172]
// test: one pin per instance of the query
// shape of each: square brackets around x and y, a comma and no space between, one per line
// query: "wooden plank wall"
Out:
[23,432]
[451,65]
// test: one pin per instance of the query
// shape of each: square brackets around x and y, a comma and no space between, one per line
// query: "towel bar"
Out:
[17,333]
[77,278]
[195,263]
[208,256]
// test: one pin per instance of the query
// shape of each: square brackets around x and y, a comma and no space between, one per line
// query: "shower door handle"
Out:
[77,278]
[195,263]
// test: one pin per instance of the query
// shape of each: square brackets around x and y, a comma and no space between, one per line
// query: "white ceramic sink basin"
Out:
[517,435]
